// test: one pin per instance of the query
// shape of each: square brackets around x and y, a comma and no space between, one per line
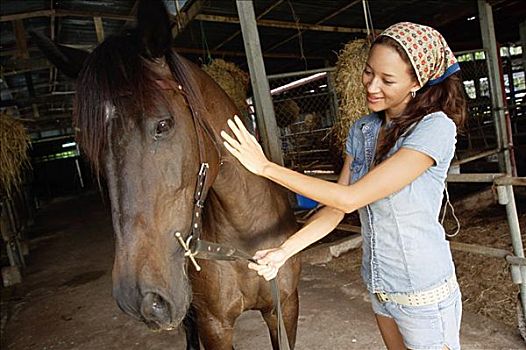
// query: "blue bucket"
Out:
[305,202]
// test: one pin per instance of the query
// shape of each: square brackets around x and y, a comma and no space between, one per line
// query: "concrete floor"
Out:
[64,301]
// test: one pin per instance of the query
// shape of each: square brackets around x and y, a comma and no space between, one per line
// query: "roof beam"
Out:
[25,65]
[237,32]
[133,14]
[21,42]
[184,17]
[41,99]
[23,53]
[23,15]
[349,5]
[189,50]
[283,24]
[99,28]
[65,13]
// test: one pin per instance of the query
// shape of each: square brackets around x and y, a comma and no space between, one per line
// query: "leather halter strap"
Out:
[194,246]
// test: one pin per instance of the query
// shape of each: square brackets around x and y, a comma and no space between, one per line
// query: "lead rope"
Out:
[448,204]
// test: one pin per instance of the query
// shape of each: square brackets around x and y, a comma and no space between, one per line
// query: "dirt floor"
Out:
[65,299]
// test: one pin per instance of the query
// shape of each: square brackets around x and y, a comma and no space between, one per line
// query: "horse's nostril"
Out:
[155,310]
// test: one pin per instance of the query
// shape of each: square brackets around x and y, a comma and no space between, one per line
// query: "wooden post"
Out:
[260,87]
[99,28]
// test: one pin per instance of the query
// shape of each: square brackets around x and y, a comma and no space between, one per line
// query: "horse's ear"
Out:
[68,60]
[153,28]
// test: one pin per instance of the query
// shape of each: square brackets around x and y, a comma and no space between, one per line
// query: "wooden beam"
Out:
[353,3]
[189,50]
[474,177]
[510,181]
[133,13]
[41,99]
[23,15]
[99,28]
[25,65]
[237,32]
[283,24]
[21,41]
[72,13]
[182,19]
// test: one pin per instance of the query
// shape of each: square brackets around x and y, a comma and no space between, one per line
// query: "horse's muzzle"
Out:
[156,312]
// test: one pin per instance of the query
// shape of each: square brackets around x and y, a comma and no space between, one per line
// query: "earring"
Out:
[413,94]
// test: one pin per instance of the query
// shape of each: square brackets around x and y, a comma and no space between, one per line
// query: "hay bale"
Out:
[13,153]
[349,88]
[287,112]
[231,79]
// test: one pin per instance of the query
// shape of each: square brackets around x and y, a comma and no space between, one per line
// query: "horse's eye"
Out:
[163,126]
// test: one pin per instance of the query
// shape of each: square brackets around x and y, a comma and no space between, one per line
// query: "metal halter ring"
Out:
[187,250]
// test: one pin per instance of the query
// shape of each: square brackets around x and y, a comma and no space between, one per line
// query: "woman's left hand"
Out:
[245,147]
[268,262]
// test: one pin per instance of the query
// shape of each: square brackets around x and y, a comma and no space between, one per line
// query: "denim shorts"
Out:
[426,327]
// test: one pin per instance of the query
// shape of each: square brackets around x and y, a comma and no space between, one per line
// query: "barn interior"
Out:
[299,46]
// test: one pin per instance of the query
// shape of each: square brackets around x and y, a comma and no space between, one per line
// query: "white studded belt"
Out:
[427,297]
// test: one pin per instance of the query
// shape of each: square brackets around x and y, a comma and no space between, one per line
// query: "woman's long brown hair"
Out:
[447,96]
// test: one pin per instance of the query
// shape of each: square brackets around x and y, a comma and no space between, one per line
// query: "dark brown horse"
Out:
[136,109]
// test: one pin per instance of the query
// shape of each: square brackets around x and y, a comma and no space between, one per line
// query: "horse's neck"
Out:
[249,205]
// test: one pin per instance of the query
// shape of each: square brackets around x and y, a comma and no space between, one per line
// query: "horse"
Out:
[146,117]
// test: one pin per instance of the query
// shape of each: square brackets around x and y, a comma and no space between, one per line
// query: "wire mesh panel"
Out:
[480,132]
[480,129]
[305,108]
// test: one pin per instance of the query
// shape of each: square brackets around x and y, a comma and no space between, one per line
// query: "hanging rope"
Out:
[300,41]
[368,20]
[207,57]
[448,203]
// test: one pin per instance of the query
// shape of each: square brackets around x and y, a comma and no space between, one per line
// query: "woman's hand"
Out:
[269,262]
[245,147]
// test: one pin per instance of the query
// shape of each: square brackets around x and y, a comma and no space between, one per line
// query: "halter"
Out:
[194,247]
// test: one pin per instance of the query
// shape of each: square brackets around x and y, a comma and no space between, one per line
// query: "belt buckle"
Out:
[381,297]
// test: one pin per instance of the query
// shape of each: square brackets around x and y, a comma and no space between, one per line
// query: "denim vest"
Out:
[404,245]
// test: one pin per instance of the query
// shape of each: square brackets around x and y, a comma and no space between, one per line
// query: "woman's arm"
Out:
[322,222]
[390,176]
[318,226]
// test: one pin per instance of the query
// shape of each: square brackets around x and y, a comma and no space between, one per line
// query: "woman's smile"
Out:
[373,99]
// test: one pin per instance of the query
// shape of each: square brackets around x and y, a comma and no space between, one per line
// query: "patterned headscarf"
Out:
[427,49]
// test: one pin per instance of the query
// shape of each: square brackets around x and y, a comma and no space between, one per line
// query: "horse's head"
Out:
[134,122]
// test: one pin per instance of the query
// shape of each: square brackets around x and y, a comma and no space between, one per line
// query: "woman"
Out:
[394,175]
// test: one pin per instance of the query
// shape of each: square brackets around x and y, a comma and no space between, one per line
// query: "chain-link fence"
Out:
[480,132]
[305,106]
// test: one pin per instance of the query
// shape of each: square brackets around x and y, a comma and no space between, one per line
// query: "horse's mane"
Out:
[116,69]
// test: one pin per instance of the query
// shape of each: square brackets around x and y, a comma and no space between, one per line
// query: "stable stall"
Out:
[299,66]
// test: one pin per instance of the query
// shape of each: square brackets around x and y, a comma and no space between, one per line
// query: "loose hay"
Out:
[485,282]
[13,153]
[348,86]
[231,79]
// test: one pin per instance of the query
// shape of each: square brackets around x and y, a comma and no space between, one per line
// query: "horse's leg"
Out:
[290,309]
[216,334]
[190,327]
